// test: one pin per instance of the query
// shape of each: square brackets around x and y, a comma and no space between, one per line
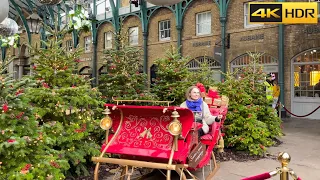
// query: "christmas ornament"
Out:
[8,27]
[4,10]
[5,107]
[50,2]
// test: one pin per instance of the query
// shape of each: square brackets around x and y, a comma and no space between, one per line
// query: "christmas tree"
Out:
[65,102]
[124,79]
[251,123]
[24,153]
[172,77]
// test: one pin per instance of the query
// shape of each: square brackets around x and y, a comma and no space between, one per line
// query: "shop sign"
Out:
[87,59]
[204,43]
[312,30]
[252,37]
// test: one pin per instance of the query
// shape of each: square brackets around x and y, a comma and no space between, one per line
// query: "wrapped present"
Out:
[213,93]
[208,100]
[217,102]
[224,100]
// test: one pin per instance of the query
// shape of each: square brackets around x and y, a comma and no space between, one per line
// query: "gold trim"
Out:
[146,132]
[215,168]
[96,170]
[137,100]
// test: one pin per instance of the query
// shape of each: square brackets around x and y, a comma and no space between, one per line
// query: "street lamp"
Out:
[34,22]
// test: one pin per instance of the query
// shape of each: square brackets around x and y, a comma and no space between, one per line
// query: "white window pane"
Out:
[162,35]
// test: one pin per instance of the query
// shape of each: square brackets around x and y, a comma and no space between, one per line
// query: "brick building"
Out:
[201,30]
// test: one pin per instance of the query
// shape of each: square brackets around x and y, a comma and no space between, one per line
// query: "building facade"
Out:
[200,35]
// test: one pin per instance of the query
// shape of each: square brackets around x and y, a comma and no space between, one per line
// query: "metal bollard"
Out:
[284,158]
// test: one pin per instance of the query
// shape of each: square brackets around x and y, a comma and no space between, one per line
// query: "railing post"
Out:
[284,158]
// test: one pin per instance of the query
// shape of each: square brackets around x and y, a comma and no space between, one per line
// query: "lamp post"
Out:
[34,22]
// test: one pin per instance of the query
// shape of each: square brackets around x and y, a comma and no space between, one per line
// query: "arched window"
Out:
[103,70]
[195,65]
[86,71]
[306,74]
[269,63]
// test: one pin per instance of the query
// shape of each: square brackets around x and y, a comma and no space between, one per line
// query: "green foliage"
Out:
[10,41]
[65,104]
[24,153]
[172,77]
[252,124]
[124,79]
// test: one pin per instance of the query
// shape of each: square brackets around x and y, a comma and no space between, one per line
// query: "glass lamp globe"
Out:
[163,2]
[4,9]
[8,27]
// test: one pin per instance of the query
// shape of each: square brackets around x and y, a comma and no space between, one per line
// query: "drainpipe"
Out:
[145,33]
[223,20]
[179,26]
[145,52]
[179,30]
[94,42]
[281,63]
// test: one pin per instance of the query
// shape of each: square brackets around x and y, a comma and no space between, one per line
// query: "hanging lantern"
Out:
[8,27]
[34,22]
[163,2]
[4,9]
[50,2]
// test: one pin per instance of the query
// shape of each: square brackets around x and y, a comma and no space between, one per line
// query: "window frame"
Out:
[203,23]
[87,44]
[69,45]
[134,35]
[162,29]
[106,40]
[246,16]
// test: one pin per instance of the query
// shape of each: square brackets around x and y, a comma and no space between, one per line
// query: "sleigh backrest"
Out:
[143,130]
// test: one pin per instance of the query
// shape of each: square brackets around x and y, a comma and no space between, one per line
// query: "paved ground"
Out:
[302,142]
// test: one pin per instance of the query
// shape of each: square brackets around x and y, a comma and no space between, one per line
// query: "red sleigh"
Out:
[156,137]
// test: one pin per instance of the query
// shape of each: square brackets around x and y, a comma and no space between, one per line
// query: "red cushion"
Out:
[197,125]
[207,139]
